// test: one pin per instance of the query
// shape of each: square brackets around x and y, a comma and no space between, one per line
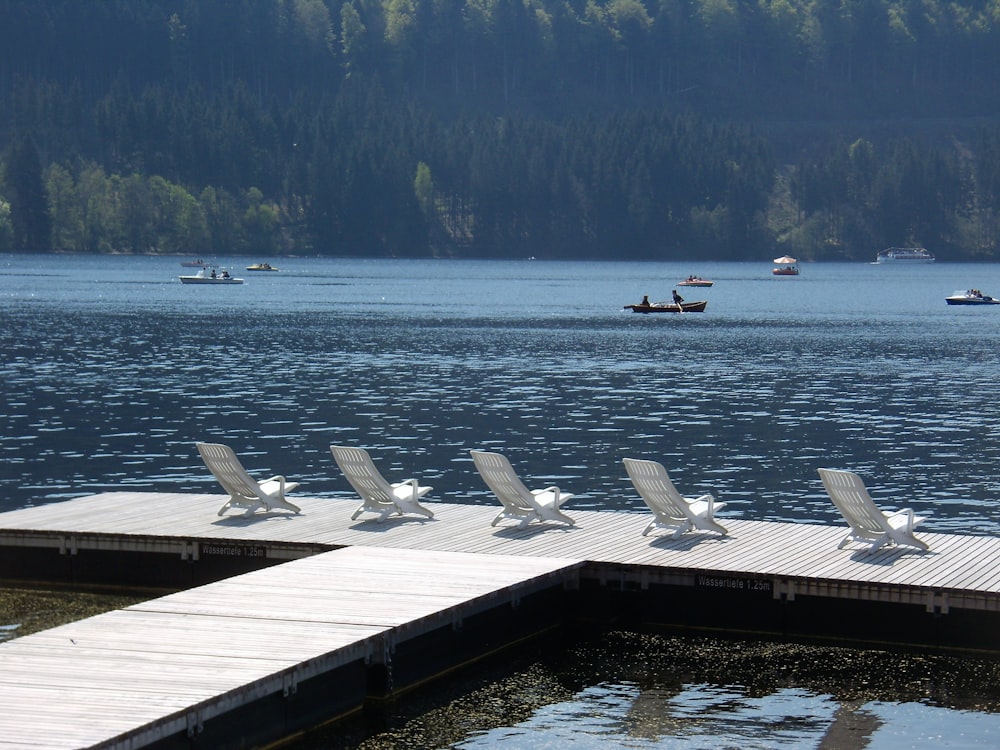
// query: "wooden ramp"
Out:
[265,653]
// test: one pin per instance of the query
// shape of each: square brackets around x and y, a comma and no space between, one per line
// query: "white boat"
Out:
[695,281]
[210,278]
[971,297]
[904,255]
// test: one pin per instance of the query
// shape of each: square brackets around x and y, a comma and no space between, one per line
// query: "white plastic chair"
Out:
[518,501]
[244,491]
[869,524]
[377,494]
[671,510]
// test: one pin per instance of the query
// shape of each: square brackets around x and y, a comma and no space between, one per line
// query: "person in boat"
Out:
[225,274]
[678,299]
[645,300]
[213,273]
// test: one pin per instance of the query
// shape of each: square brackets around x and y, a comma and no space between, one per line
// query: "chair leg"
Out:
[715,526]
[879,543]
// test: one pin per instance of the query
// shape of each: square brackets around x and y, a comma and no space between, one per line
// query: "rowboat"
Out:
[669,307]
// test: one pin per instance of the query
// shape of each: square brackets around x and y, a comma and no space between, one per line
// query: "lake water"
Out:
[112,369]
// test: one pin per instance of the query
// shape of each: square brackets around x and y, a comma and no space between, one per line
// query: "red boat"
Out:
[785,266]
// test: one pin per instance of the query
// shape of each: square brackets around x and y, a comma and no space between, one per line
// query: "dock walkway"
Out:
[254,658]
[957,571]
[359,601]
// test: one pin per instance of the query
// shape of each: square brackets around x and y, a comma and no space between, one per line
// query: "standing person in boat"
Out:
[645,300]
[678,299]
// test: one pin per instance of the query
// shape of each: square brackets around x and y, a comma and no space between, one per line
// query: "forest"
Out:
[660,129]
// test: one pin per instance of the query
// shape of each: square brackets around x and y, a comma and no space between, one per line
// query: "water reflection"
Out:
[712,717]
[630,690]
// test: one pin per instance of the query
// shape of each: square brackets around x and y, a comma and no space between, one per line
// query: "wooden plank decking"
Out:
[958,571]
[168,666]
[130,678]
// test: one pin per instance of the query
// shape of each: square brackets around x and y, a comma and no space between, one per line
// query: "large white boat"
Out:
[904,255]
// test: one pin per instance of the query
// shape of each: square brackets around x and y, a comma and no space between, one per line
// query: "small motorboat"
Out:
[971,297]
[668,307]
[210,278]
[785,266]
[261,267]
[194,264]
[695,281]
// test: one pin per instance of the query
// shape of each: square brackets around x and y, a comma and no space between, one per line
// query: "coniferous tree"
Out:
[29,209]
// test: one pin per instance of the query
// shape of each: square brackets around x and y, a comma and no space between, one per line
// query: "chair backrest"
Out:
[848,493]
[653,484]
[360,471]
[227,469]
[500,477]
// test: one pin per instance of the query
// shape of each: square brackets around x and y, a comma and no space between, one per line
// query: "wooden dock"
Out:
[796,558]
[263,655]
[361,608]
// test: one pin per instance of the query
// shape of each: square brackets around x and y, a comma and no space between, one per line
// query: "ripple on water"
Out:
[738,403]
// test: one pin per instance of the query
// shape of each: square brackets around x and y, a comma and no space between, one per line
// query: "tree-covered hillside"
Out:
[728,129]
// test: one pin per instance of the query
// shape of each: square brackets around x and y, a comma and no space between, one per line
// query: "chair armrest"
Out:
[908,512]
[708,499]
[553,489]
[557,495]
[276,478]
[277,486]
